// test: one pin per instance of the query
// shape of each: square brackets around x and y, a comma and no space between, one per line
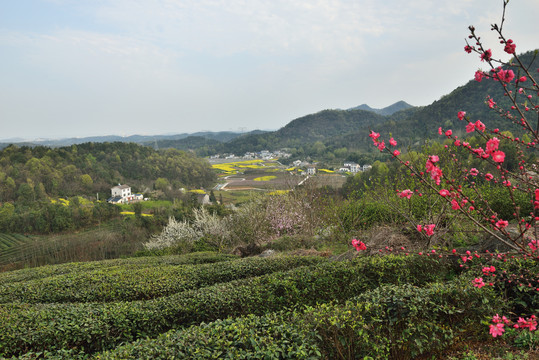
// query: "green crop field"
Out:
[99,242]
[211,305]
[8,241]
[12,244]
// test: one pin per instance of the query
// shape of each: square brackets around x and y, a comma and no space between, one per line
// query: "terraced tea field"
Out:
[12,244]
[211,305]
[100,242]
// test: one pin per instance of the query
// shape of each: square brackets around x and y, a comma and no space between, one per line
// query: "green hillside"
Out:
[418,124]
[308,129]
[34,173]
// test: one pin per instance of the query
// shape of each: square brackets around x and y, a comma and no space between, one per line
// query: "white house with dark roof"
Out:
[121,194]
[353,168]
[121,190]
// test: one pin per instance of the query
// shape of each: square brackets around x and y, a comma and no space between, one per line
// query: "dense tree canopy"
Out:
[33,173]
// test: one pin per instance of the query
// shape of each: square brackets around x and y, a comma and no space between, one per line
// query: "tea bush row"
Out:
[392,321]
[402,322]
[94,327]
[273,336]
[129,283]
[78,267]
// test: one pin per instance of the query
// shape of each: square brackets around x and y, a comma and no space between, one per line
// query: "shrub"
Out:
[515,279]
[253,337]
[183,235]
[401,321]
[249,225]
[177,233]
[136,262]
[364,214]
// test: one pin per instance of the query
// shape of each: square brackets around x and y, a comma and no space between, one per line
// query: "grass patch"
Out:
[148,205]
[234,196]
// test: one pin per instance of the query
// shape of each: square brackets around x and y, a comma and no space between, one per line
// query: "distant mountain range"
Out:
[314,134]
[341,122]
[220,136]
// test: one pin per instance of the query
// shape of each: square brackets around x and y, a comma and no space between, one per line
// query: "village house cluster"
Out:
[348,167]
[264,155]
[354,168]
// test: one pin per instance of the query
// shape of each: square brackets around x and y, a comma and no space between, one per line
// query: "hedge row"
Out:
[150,261]
[95,327]
[403,322]
[273,336]
[129,283]
[390,322]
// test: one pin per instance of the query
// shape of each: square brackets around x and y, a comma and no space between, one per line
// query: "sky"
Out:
[77,68]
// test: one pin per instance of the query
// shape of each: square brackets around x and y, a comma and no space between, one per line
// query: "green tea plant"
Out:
[95,326]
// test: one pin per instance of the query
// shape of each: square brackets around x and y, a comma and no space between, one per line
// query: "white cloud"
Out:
[176,65]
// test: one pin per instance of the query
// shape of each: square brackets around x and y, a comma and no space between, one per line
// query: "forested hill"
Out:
[307,129]
[419,123]
[33,173]
[470,97]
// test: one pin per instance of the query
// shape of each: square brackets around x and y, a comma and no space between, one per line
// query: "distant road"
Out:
[222,186]
[302,181]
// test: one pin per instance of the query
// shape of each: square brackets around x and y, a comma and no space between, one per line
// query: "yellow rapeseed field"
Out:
[265,178]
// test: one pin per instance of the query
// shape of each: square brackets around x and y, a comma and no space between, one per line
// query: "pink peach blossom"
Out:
[480,126]
[496,329]
[498,156]
[374,135]
[492,145]
[500,224]
[406,193]
[479,75]
[429,229]
[486,55]
[510,47]
[478,283]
